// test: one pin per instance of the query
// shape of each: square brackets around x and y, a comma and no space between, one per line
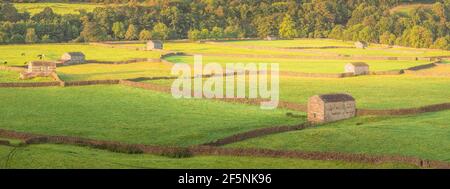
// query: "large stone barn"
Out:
[357,68]
[361,45]
[73,58]
[154,44]
[38,69]
[331,107]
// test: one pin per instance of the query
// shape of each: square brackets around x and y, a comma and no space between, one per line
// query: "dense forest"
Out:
[365,20]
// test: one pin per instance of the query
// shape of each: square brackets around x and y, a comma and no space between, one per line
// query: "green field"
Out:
[59,8]
[130,115]
[21,54]
[113,71]
[12,76]
[306,65]
[394,91]
[278,48]
[426,136]
[59,156]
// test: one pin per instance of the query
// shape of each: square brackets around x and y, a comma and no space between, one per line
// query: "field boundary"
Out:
[119,147]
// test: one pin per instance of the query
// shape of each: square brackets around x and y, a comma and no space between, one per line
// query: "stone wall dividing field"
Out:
[90,82]
[13,68]
[30,84]
[406,111]
[120,147]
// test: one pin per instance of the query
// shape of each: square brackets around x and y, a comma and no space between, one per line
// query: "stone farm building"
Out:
[357,68]
[38,69]
[361,45]
[73,58]
[154,44]
[271,38]
[331,107]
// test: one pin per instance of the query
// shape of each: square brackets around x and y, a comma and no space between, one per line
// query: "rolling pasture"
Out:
[132,115]
[21,54]
[426,136]
[58,8]
[60,156]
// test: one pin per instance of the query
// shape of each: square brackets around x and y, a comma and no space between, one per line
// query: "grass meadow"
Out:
[372,92]
[305,65]
[60,156]
[12,76]
[21,54]
[113,71]
[130,115]
[425,136]
[58,8]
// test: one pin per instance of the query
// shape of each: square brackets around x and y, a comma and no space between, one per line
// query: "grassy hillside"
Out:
[59,8]
[129,115]
[424,136]
[373,92]
[20,54]
[304,65]
[113,71]
[60,156]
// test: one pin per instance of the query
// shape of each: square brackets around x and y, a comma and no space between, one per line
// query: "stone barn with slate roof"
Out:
[361,45]
[154,44]
[38,69]
[73,58]
[331,107]
[357,68]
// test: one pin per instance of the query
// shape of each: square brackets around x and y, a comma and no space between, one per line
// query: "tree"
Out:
[194,35]
[31,37]
[216,33]
[132,33]
[145,35]
[204,34]
[287,28]
[46,39]
[419,37]
[17,38]
[388,38]
[3,37]
[118,30]
[92,32]
[160,31]
[442,43]
[337,32]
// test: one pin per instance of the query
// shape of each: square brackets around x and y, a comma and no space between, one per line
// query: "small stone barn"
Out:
[154,44]
[271,38]
[357,68]
[73,58]
[361,45]
[331,107]
[38,69]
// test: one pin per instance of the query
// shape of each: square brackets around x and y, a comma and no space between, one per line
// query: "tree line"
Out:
[365,20]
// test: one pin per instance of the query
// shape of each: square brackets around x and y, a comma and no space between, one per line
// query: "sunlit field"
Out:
[59,8]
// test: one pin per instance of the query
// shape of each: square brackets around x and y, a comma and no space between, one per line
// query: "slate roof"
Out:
[359,64]
[42,63]
[336,97]
[75,53]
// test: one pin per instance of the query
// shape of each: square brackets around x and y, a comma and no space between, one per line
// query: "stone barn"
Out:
[357,68]
[73,58]
[361,45]
[331,107]
[271,38]
[38,69]
[154,44]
